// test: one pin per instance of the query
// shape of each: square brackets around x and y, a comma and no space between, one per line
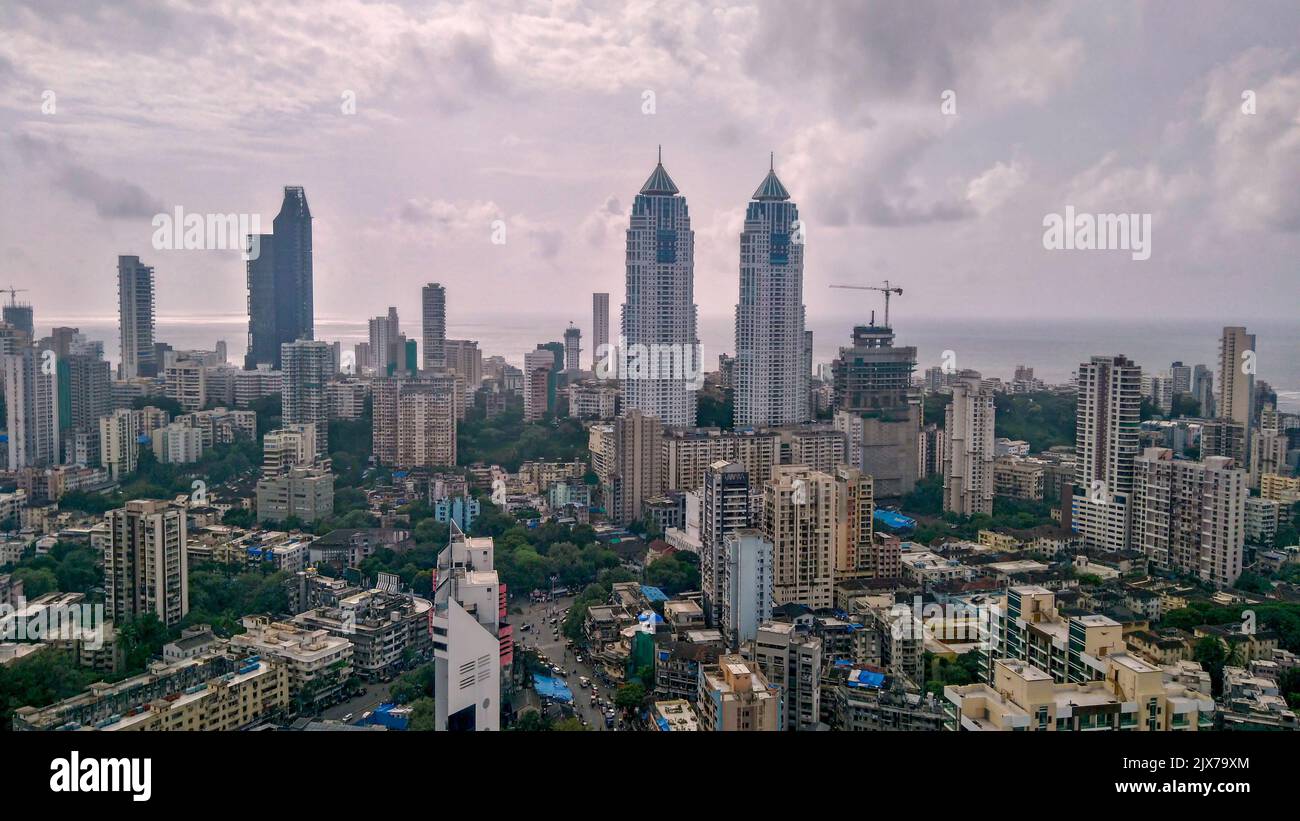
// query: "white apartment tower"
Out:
[659,316]
[307,367]
[145,562]
[968,428]
[31,393]
[1106,441]
[772,370]
[1190,517]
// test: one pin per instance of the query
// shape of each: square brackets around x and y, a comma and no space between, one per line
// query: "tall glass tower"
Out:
[771,379]
[659,315]
[280,301]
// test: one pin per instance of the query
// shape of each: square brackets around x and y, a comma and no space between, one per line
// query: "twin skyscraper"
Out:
[773,349]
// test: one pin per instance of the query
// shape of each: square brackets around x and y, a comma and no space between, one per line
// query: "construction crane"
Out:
[13,293]
[886,290]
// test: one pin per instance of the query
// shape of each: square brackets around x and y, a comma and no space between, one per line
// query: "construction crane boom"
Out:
[13,293]
[886,290]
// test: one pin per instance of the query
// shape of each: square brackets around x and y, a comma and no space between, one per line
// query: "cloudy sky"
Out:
[547,115]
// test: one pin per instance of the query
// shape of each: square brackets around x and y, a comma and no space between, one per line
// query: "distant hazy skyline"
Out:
[532,113]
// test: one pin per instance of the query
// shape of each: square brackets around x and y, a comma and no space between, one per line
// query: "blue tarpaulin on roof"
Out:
[556,689]
[653,594]
[894,520]
[866,678]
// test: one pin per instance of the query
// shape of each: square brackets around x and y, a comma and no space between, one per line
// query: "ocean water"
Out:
[1052,346]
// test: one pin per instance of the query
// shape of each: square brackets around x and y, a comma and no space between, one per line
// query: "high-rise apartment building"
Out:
[857,554]
[659,315]
[85,395]
[426,422]
[1190,517]
[724,507]
[32,408]
[146,562]
[599,327]
[1203,390]
[385,332]
[540,370]
[119,441]
[968,438]
[799,520]
[280,285]
[790,658]
[745,585]
[1237,376]
[770,373]
[1109,400]
[433,304]
[135,318]
[625,456]
[186,383]
[306,368]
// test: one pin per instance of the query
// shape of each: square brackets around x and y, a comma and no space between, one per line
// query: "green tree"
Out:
[424,717]
[629,696]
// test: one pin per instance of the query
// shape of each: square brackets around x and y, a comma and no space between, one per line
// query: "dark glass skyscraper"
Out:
[280,283]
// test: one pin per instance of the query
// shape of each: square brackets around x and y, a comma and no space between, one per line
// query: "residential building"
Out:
[659,314]
[799,519]
[724,508]
[734,696]
[302,493]
[1130,695]
[31,393]
[1190,517]
[790,658]
[1106,442]
[318,664]
[306,366]
[433,304]
[145,562]
[599,328]
[771,380]
[135,318]
[744,585]
[969,448]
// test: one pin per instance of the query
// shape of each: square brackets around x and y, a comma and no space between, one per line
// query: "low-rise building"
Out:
[318,663]
[1132,695]
[735,696]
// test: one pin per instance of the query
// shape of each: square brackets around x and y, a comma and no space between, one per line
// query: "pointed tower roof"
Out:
[771,187]
[659,182]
